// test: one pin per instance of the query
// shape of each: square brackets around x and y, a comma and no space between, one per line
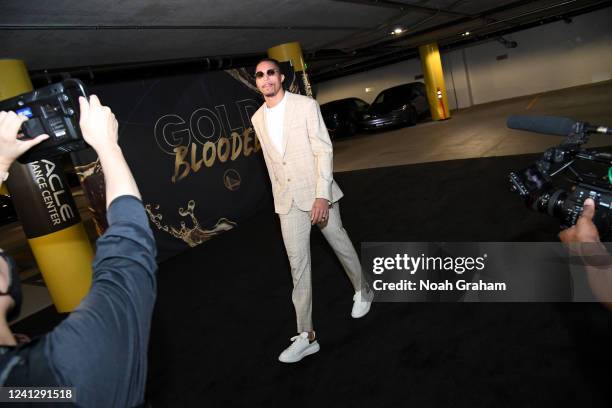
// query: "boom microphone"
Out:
[551,125]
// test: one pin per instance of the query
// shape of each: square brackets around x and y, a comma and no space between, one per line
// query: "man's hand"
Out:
[584,230]
[583,240]
[11,147]
[320,211]
[98,124]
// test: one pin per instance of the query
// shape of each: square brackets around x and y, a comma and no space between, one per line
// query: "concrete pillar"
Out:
[292,52]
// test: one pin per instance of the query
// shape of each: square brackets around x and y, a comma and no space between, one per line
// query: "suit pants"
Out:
[295,227]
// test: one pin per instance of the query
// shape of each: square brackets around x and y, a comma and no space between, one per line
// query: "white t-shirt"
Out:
[275,118]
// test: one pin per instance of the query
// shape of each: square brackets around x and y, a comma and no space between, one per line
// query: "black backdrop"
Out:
[191,147]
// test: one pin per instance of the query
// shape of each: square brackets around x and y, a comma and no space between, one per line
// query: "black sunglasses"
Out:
[270,72]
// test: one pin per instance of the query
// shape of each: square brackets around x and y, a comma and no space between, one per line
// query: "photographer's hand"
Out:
[11,147]
[583,240]
[584,230]
[98,124]
[100,131]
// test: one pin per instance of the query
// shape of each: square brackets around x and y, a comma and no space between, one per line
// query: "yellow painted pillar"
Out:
[292,52]
[434,81]
[47,211]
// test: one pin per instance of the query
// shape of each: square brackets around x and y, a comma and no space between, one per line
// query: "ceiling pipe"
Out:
[138,70]
[80,27]
[404,6]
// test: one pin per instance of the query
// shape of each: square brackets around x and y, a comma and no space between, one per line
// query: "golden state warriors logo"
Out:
[231,180]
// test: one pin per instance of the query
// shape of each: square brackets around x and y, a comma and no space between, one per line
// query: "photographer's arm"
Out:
[106,337]
[11,147]
[583,239]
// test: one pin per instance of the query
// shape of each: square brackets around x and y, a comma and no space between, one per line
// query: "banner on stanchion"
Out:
[45,205]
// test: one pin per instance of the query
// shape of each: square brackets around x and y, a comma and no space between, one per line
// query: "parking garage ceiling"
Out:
[338,37]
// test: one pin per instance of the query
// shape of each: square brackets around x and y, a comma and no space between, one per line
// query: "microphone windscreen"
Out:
[550,125]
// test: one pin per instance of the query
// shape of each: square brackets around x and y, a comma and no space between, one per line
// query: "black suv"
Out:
[401,105]
[342,116]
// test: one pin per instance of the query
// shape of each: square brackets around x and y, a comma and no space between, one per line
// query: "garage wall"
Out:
[553,56]
[457,79]
[375,80]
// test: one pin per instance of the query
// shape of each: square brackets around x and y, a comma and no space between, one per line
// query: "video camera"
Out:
[53,110]
[587,174]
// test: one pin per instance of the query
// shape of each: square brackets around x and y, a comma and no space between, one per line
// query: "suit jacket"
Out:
[305,169]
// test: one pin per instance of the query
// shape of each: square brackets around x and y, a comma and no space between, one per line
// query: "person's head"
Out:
[10,288]
[269,77]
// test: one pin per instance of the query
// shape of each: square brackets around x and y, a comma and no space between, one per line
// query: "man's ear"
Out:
[282,78]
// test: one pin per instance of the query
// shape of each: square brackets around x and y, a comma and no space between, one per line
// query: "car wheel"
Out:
[412,117]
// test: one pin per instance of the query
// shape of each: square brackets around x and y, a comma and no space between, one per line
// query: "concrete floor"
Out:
[479,131]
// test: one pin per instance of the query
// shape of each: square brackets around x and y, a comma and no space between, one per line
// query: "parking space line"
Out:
[533,101]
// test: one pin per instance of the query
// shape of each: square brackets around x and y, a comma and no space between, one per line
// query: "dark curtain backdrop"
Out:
[189,142]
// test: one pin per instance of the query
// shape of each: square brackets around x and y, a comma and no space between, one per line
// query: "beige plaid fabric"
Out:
[295,226]
[302,173]
[305,170]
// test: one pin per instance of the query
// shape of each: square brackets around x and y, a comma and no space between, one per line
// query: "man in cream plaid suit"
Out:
[299,156]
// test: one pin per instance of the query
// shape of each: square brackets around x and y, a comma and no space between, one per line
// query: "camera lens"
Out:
[556,203]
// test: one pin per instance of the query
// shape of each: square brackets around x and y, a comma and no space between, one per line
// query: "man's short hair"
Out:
[271,60]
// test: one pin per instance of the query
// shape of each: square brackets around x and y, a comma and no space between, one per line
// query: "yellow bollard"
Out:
[54,229]
[434,81]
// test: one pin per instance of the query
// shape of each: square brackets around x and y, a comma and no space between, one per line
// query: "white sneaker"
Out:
[300,348]
[361,304]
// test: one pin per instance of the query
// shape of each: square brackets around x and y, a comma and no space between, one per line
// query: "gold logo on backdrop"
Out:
[194,235]
[190,159]
[231,180]
[91,178]
[88,170]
